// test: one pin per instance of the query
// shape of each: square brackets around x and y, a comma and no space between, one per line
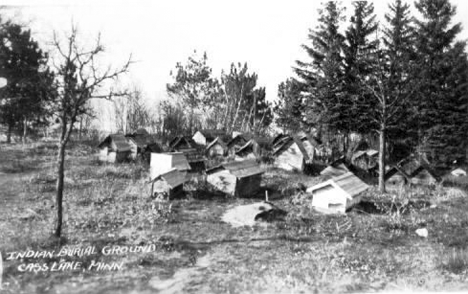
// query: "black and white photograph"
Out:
[203,146]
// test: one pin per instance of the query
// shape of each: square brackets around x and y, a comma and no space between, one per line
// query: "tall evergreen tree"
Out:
[28,92]
[260,112]
[398,40]
[360,41]
[442,73]
[322,76]
[195,87]
[288,108]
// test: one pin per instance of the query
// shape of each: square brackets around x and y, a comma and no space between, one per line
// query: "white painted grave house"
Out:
[337,194]
[164,162]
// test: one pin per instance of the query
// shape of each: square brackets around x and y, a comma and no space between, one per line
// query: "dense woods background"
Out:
[400,81]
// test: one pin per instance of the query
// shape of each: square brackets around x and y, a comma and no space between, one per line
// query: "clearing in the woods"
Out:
[183,246]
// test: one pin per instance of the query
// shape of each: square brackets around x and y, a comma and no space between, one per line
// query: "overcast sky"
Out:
[265,34]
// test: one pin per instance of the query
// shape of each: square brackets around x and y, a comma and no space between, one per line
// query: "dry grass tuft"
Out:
[455,261]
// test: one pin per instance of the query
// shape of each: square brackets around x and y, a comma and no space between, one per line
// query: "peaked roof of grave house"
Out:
[348,183]
[431,172]
[262,142]
[280,142]
[360,145]
[173,177]
[393,170]
[412,166]
[119,140]
[244,148]
[240,169]
[340,160]
[459,168]
[278,138]
[141,140]
[182,139]
[288,143]
[334,171]
[239,139]
[218,140]
[368,152]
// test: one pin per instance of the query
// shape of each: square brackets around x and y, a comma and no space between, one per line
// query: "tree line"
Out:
[404,78]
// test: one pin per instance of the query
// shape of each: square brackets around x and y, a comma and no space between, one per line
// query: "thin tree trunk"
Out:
[243,123]
[60,179]
[125,120]
[60,184]
[261,122]
[25,130]
[10,130]
[226,113]
[65,135]
[80,134]
[255,114]
[238,107]
[252,110]
[382,159]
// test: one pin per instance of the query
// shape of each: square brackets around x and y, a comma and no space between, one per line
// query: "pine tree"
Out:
[288,108]
[398,40]
[24,65]
[322,77]
[360,41]
[194,86]
[442,73]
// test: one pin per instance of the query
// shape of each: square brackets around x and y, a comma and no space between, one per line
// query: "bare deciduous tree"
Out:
[131,111]
[79,79]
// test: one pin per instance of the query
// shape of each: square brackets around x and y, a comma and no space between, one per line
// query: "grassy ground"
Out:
[372,248]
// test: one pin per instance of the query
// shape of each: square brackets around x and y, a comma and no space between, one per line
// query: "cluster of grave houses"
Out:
[238,173]
[290,152]
[344,189]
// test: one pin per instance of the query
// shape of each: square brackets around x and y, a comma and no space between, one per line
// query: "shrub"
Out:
[292,188]
[199,188]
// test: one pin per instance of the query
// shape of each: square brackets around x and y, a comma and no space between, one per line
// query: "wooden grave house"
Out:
[238,178]
[395,178]
[255,148]
[163,162]
[292,155]
[205,137]
[216,149]
[168,185]
[180,143]
[115,148]
[337,194]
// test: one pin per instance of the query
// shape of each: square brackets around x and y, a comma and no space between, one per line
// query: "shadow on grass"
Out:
[19,166]
[182,244]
